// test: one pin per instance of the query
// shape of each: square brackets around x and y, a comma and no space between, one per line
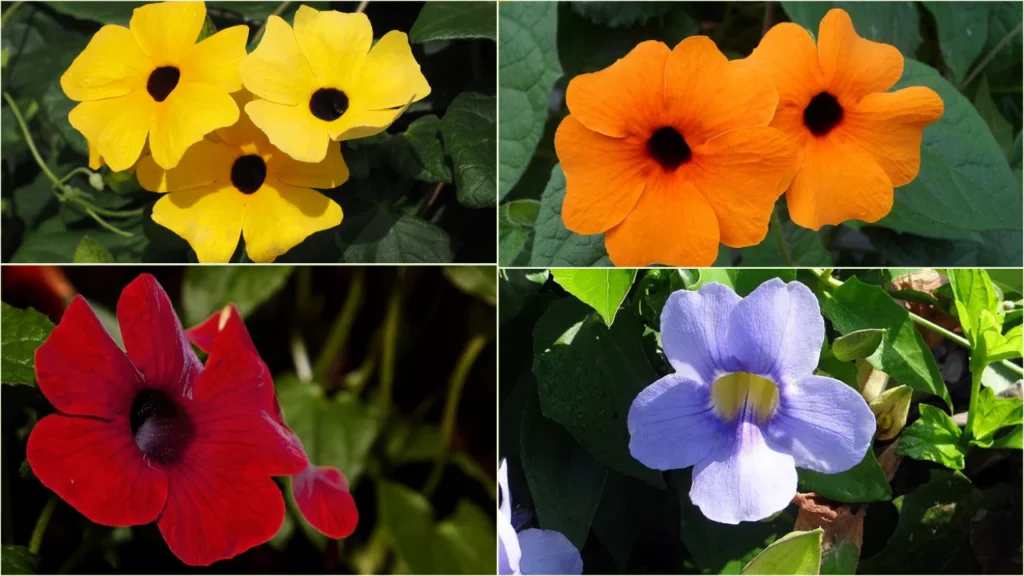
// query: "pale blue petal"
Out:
[509,553]
[548,552]
[694,326]
[671,424]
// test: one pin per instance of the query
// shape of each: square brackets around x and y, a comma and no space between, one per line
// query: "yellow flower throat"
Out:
[733,393]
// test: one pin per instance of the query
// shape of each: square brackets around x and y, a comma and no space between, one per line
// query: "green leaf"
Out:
[454,21]
[417,153]
[407,518]
[842,558]
[90,251]
[991,415]
[392,238]
[516,221]
[621,13]
[794,553]
[57,246]
[805,247]
[478,281]
[604,290]
[903,353]
[933,437]
[974,293]
[1011,440]
[527,72]
[21,333]
[857,344]
[18,560]
[893,23]
[466,541]
[565,481]
[553,244]
[865,482]
[962,28]
[207,289]
[102,12]
[469,134]
[1002,130]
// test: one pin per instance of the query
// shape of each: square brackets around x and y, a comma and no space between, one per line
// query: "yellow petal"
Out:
[390,76]
[189,113]
[293,129]
[330,173]
[117,126]
[243,133]
[203,164]
[215,60]
[303,16]
[209,218]
[277,69]
[167,31]
[355,123]
[111,65]
[335,44]
[280,216]
[95,160]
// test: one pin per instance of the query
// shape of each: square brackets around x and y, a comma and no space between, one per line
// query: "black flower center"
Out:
[668,147]
[248,173]
[161,428]
[328,104]
[162,81]
[822,114]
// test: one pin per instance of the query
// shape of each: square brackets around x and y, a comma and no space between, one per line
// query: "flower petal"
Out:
[209,218]
[95,466]
[215,60]
[280,216]
[672,224]
[167,31]
[356,123]
[390,76]
[117,126]
[277,70]
[322,496]
[111,65]
[154,339]
[852,66]
[189,113]
[671,425]
[888,125]
[824,424]
[243,133]
[335,45]
[745,480]
[741,174]
[292,129]
[509,552]
[694,330]
[838,182]
[708,95]
[548,552]
[224,327]
[204,163]
[604,177]
[330,173]
[625,98]
[81,371]
[777,331]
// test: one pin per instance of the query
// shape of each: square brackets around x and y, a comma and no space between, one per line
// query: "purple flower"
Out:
[532,551]
[743,407]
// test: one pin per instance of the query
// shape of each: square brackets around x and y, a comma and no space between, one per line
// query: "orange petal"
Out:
[671,224]
[854,67]
[888,125]
[741,174]
[624,98]
[707,95]
[838,182]
[603,176]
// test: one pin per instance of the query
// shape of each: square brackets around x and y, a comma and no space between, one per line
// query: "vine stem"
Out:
[389,348]
[3,19]
[44,520]
[362,6]
[341,329]
[972,405]
[988,57]
[780,239]
[32,143]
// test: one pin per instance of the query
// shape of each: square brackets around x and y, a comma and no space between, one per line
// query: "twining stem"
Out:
[44,520]
[988,57]
[965,439]
[389,348]
[362,6]
[7,14]
[451,407]
[767,18]
[31,143]
[342,327]
[780,239]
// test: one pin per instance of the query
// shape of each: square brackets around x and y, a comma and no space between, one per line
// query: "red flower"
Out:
[321,492]
[153,435]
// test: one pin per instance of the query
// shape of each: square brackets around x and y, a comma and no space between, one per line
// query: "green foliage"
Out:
[207,289]
[794,553]
[454,21]
[90,251]
[994,414]
[865,482]
[418,153]
[604,290]
[934,437]
[469,135]
[553,244]
[893,23]
[963,29]
[479,281]
[21,333]
[18,560]
[858,344]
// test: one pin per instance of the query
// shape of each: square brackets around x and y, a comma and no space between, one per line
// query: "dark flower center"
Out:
[822,114]
[161,428]
[328,104]
[162,81]
[668,147]
[248,173]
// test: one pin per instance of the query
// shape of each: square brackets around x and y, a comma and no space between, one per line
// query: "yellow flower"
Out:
[235,182]
[152,79]
[323,82]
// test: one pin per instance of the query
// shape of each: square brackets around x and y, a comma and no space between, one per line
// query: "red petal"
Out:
[154,339]
[322,495]
[96,467]
[225,327]
[81,371]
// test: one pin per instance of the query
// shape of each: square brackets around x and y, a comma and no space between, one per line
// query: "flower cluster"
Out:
[670,151]
[238,141]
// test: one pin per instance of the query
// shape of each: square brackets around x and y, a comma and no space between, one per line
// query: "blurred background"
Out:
[405,358]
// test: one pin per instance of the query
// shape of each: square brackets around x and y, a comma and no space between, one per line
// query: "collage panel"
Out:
[760,134]
[291,420]
[769,421]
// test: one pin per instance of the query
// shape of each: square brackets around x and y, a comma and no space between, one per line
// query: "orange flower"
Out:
[669,152]
[858,140]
